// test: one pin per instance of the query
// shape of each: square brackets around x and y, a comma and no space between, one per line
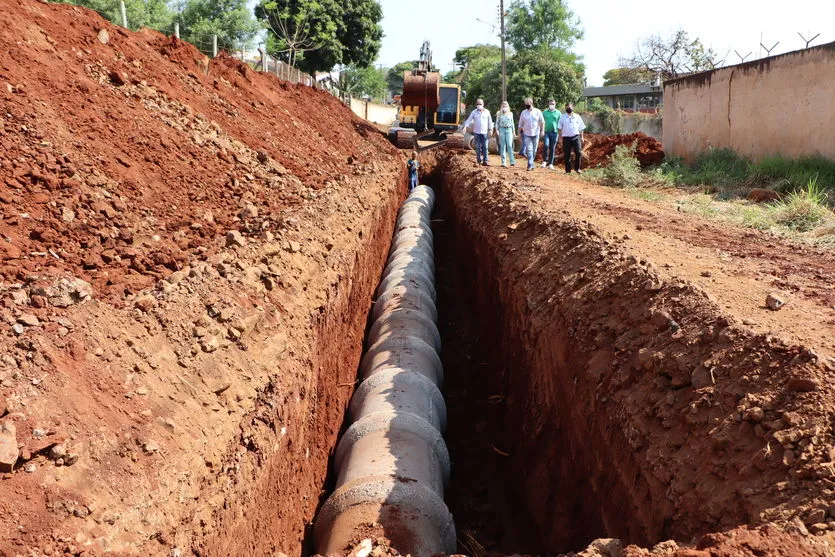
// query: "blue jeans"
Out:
[480,147]
[506,145]
[413,181]
[529,146]
[550,144]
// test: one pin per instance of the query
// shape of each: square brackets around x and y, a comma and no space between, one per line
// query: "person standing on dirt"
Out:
[552,118]
[505,134]
[571,128]
[413,165]
[482,123]
[531,128]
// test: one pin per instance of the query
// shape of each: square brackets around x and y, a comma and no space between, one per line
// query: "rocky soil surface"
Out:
[188,250]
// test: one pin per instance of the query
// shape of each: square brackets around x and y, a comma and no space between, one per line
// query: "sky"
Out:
[612,27]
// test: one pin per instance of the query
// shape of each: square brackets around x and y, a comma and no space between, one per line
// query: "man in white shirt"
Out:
[482,122]
[571,128]
[531,128]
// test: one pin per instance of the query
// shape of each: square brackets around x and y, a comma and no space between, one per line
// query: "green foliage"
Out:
[624,170]
[154,14]
[317,35]
[540,74]
[394,76]
[363,82]
[626,76]
[610,119]
[230,20]
[670,56]
[534,24]
[804,209]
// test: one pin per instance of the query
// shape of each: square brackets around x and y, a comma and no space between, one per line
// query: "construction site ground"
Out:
[189,250]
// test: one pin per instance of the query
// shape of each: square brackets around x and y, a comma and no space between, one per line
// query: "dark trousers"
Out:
[572,144]
[481,147]
[550,145]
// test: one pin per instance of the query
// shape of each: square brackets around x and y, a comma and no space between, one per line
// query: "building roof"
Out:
[618,90]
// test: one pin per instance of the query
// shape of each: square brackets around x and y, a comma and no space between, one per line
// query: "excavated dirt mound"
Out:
[188,251]
[105,145]
[598,149]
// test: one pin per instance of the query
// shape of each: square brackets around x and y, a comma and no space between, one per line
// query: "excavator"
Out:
[430,111]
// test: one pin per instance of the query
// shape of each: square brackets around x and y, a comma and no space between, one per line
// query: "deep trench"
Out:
[489,490]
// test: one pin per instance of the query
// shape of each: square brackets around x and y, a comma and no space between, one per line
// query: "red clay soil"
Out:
[193,384]
[641,400]
[598,149]
[100,150]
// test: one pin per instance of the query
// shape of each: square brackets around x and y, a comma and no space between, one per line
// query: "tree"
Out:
[394,76]
[542,23]
[230,20]
[363,82]
[475,62]
[334,31]
[670,56]
[537,74]
[626,76]
[154,14]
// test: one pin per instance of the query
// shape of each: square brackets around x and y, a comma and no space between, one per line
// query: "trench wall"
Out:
[782,105]
[621,390]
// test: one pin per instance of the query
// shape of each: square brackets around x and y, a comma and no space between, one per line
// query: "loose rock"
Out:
[235,238]
[8,447]
[774,302]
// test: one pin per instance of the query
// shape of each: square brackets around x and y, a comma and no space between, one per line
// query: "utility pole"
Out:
[504,61]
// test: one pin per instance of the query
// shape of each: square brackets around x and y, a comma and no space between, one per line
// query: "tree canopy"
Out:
[154,14]
[394,76]
[626,76]
[670,56]
[363,82]
[540,63]
[316,35]
[542,23]
[230,20]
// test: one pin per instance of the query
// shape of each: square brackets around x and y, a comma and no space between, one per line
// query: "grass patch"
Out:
[803,209]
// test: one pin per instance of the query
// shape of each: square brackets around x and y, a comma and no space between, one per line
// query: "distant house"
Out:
[639,97]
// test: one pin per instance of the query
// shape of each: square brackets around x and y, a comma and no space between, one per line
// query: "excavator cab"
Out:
[430,111]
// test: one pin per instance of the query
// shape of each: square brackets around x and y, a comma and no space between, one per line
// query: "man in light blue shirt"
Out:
[482,122]
[571,128]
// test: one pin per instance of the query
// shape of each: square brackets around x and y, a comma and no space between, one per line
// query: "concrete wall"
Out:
[783,105]
[649,124]
[375,113]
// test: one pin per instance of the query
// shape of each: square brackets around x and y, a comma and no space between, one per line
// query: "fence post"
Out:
[177,29]
[214,46]
[263,59]
[124,13]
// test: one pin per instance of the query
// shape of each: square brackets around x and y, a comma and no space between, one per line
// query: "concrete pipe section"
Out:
[392,464]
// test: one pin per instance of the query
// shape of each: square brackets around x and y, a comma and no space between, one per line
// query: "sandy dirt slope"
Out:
[171,385]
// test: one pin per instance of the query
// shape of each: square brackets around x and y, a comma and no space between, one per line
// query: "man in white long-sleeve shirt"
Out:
[531,127]
[571,128]
[482,122]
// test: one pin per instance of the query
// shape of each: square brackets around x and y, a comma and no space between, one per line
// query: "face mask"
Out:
[528,106]
[479,106]
[569,110]
[505,109]
[552,106]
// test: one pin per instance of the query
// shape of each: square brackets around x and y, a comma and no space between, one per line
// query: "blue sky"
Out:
[612,27]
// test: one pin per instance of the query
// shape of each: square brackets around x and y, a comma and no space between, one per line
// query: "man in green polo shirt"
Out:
[552,117]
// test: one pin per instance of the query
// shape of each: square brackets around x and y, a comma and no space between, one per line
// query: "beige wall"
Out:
[783,105]
[630,123]
[376,113]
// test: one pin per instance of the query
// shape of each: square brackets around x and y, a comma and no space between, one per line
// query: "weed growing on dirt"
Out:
[803,209]
[726,170]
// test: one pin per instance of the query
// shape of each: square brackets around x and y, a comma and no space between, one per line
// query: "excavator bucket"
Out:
[421,89]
